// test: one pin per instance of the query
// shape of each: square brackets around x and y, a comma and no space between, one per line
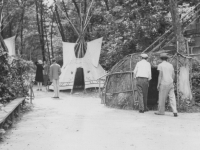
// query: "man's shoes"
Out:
[37,89]
[55,97]
[141,111]
[147,109]
[156,113]
[175,115]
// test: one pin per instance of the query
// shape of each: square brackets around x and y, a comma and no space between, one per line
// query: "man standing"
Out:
[55,72]
[142,73]
[165,85]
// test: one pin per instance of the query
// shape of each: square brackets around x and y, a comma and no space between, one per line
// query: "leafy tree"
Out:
[128,27]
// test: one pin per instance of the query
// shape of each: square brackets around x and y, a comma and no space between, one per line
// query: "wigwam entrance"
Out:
[79,82]
[153,92]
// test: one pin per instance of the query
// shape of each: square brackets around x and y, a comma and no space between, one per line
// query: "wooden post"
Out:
[105,89]
[19,108]
[99,87]
[187,48]
[131,74]
[177,77]
[30,93]
[85,92]
[71,91]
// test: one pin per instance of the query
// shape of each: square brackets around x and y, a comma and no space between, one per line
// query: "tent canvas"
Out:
[10,43]
[89,63]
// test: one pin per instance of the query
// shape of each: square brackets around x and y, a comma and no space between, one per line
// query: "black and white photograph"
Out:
[99,74]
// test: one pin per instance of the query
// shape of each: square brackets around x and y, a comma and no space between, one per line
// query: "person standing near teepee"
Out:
[55,72]
[142,73]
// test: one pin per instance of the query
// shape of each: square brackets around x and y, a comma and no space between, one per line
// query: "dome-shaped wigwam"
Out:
[120,86]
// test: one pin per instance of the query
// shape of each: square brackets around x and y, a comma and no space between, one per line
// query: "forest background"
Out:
[127,26]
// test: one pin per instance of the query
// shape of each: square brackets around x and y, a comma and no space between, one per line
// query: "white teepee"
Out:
[81,59]
[92,70]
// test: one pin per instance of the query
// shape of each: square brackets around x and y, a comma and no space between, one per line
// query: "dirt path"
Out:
[82,123]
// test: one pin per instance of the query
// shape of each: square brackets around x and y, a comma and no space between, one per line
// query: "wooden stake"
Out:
[131,73]
[100,88]
[132,79]
[105,90]
[177,78]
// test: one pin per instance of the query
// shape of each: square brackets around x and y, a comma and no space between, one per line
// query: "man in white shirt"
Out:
[165,85]
[142,73]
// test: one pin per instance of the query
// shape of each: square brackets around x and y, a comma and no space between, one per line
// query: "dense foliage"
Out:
[126,26]
[129,27]
[13,78]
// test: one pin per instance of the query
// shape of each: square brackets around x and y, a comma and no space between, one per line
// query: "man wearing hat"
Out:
[55,72]
[142,73]
[165,85]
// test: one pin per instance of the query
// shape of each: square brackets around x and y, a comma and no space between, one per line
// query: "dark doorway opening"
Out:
[79,82]
[153,92]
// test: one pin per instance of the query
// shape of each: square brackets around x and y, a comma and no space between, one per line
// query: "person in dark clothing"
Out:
[46,74]
[39,74]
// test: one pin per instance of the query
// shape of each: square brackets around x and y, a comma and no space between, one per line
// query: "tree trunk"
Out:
[61,29]
[42,29]
[46,36]
[1,18]
[40,26]
[181,45]
[52,53]
[22,29]
[176,21]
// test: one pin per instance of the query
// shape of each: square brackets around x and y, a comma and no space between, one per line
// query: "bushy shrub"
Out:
[14,73]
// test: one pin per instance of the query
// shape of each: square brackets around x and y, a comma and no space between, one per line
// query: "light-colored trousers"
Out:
[166,91]
[56,87]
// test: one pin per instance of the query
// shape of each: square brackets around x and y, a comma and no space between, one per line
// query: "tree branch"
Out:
[59,22]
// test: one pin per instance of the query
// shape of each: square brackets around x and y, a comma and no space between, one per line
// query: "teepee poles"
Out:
[86,21]
[81,19]
[67,17]
[88,13]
